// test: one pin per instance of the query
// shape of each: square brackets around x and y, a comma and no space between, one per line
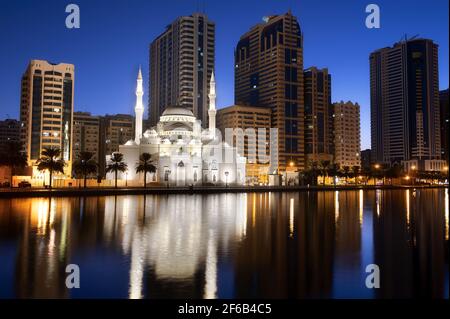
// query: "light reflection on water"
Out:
[270,245]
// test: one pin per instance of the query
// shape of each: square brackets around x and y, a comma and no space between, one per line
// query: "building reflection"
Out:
[409,238]
[270,245]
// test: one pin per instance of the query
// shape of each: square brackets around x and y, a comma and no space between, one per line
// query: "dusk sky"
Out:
[115,35]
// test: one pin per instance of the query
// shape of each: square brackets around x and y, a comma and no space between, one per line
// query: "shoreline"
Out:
[102,191]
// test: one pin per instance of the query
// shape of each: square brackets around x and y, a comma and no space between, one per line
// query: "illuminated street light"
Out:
[377,166]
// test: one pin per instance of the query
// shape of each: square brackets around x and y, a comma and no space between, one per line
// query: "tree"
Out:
[367,173]
[115,165]
[355,172]
[394,171]
[324,166]
[50,160]
[346,172]
[145,165]
[85,165]
[13,157]
[334,171]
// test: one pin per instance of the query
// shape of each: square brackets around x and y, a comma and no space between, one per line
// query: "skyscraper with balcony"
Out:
[269,73]
[181,64]
[347,134]
[318,115]
[46,110]
[405,124]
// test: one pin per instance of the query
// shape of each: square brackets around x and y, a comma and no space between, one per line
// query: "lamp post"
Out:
[226,178]
[413,173]
[377,167]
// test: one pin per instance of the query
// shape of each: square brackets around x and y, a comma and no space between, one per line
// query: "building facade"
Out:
[181,64]
[9,132]
[269,73]
[86,134]
[318,116]
[405,124]
[251,134]
[115,130]
[347,134]
[46,111]
[366,159]
[444,118]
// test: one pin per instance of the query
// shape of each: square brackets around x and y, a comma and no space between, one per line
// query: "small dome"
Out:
[130,142]
[177,110]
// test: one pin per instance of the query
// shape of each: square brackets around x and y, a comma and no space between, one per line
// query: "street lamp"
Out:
[226,178]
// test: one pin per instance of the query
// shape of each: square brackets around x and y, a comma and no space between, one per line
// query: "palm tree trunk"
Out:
[145,179]
[85,177]
[115,182]
[51,177]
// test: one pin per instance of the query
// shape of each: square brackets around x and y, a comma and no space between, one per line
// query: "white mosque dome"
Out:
[177,110]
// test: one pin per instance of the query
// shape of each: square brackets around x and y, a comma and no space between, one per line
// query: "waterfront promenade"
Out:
[107,191]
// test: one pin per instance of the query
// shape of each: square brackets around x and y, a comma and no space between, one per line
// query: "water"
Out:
[269,245]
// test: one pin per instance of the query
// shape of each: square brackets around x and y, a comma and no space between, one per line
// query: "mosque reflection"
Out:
[269,245]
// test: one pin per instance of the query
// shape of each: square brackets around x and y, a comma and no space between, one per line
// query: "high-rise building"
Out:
[115,130]
[9,132]
[269,73]
[86,134]
[405,105]
[181,64]
[444,117]
[347,134]
[251,134]
[46,110]
[318,115]
[366,159]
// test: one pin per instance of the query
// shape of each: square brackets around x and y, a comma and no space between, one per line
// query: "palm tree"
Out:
[116,164]
[145,166]
[13,157]
[85,165]
[334,171]
[355,172]
[346,171]
[324,166]
[50,160]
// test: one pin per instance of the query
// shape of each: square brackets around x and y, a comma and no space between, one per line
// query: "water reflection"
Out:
[271,245]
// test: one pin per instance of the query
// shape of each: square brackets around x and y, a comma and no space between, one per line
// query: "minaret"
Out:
[139,109]
[212,106]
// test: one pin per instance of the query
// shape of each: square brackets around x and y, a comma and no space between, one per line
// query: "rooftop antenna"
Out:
[415,36]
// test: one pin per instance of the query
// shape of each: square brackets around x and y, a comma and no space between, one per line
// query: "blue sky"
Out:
[115,35]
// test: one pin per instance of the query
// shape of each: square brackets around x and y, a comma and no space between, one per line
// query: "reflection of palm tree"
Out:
[115,165]
[50,161]
[145,166]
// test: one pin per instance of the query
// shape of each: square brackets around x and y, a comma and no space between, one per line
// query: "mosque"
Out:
[183,153]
